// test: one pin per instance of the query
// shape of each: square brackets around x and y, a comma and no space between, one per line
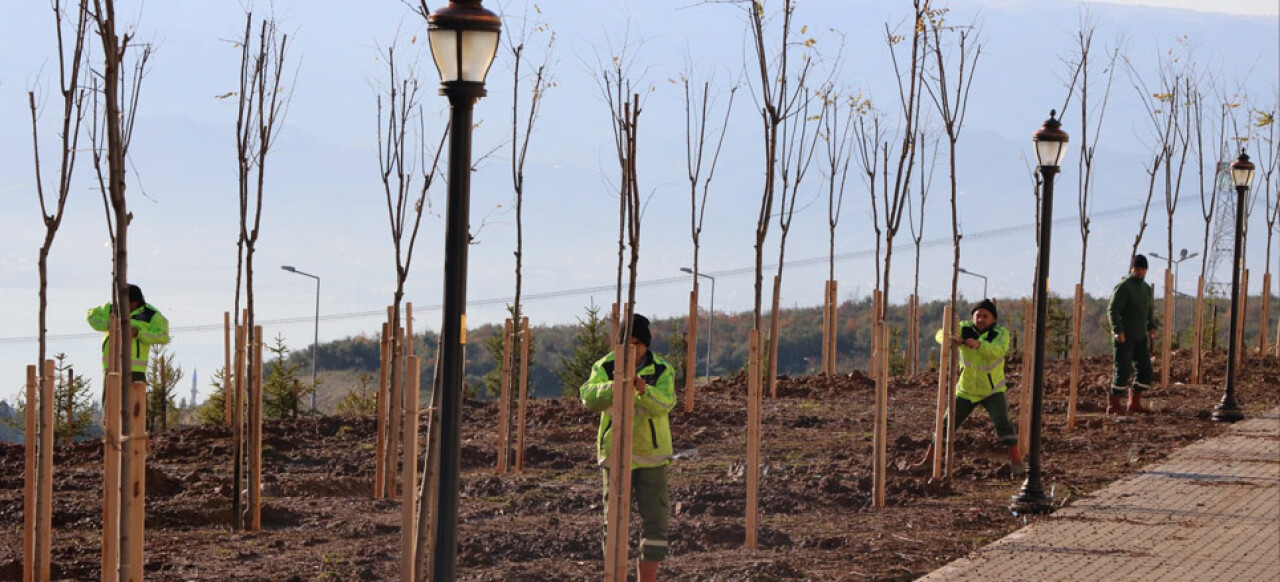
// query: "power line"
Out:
[994,233]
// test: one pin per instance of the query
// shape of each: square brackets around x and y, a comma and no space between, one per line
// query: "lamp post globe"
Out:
[464,40]
[1228,410]
[1051,147]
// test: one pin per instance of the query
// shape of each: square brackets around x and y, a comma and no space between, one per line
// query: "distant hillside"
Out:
[342,361]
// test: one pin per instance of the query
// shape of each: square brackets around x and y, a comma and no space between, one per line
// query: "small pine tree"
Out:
[897,358]
[73,402]
[676,346]
[214,409]
[282,393]
[361,400]
[590,343]
[492,381]
[163,375]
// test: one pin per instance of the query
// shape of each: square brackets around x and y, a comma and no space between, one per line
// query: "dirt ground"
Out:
[320,522]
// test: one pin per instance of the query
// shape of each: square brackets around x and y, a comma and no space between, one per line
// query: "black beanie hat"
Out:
[640,329]
[1139,262]
[135,294]
[988,305]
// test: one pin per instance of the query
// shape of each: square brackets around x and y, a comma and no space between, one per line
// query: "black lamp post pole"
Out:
[462,97]
[1228,410]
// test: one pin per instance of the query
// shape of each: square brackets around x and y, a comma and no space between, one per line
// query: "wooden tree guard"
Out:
[1077,317]
[44,495]
[882,412]
[613,323]
[1242,318]
[619,508]
[525,342]
[873,366]
[1024,387]
[384,347]
[135,486]
[774,333]
[828,327]
[1195,334]
[255,432]
[1264,319]
[946,394]
[691,350]
[879,365]
[753,438]
[111,461]
[1166,342]
[395,395]
[29,567]
[408,507]
[504,398]
[429,489]
[227,400]
[71,405]
[237,427]
[913,334]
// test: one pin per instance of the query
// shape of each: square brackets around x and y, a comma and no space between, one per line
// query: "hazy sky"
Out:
[325,212]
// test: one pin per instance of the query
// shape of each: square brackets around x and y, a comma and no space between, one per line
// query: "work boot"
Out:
[1114,405]
[1015,461]
[1135,403]
[925,466]
[647,571]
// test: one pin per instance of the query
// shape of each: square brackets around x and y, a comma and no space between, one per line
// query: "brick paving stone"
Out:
[1208,512]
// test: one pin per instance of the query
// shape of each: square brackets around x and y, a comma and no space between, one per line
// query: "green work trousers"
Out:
[649,490]
[1134,352]
[997,408]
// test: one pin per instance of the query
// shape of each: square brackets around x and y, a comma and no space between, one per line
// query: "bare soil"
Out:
[321,523]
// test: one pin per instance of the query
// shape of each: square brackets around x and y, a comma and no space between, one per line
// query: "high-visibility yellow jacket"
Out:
[981,368]
[149,328]
[651,427]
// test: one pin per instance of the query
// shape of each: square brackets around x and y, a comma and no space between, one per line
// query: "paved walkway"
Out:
[1209,512]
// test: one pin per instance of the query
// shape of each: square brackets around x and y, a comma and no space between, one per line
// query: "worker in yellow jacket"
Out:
[655,396]
[149,328]
[981,345]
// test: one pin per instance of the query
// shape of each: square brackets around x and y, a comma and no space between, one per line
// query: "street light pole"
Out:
[983,277]
[1051,145]
[464,39]
[315,343]
[711,322]
[1229,410]
[1177,267]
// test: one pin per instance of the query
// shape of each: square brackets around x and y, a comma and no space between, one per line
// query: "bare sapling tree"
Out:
[1162,100]
[523,119]
[407,167]
[927,141]
[115,105]
[615,82]
[869,138]
[1268,158]
[838,113]
[73,99]
[261,101]
[956,56]
[698,105]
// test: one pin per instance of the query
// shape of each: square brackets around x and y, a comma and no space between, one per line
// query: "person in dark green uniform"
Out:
[651,451]
[1131,313]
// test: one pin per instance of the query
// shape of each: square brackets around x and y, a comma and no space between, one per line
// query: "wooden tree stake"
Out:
[523,406]
[227,373]
[946,393]
[380,452]
[408,506]
[1244,310]
[691,350]
[1077,315]
[132,535]
[1024,387]
[111,461]
[255,431]
[29,488]
[1196,334]
[619,508]
[44,496]
[881,436]
[1166,344]
[1264,318]
[774,336]
[237,427]
[753,438]
[504,396]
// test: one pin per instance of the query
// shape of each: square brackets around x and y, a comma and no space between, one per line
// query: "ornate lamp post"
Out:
[1051,145]
[464,40]
[1228,410]
[316,343]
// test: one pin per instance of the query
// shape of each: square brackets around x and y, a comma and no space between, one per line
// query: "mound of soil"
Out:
[320,521]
